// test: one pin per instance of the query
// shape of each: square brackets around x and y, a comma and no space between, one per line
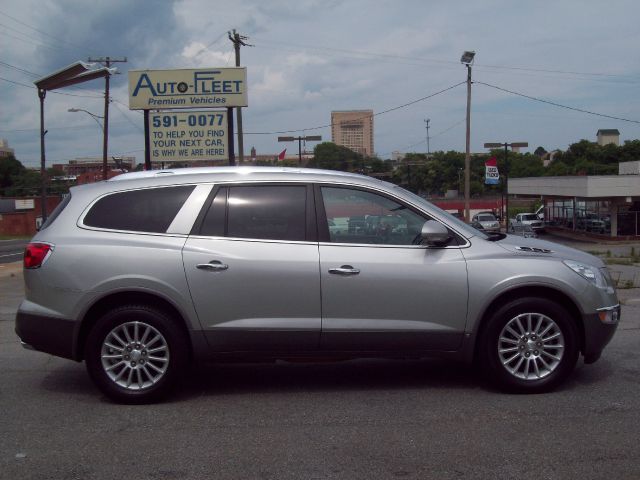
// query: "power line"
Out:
[557,104]
[363,53]
[40,31]
[205,48]
[51,91]
[73,127]
[424,141]
[364,116]
[127,118]
[20,69]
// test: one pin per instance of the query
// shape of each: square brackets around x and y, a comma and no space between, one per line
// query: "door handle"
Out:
[344,270]
[213,266]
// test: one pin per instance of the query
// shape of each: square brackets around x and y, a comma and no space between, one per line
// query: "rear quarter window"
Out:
[150,210]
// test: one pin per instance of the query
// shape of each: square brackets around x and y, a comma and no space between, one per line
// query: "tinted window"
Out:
[150,210]
[267,212]
[214,221]
[356,216]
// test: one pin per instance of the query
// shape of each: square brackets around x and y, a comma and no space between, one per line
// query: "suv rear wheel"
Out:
[134,354]
[529,345]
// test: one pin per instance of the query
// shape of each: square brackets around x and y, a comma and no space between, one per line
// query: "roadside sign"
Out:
[187,88]
[188,136]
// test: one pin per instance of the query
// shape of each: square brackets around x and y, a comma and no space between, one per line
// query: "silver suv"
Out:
[141,274]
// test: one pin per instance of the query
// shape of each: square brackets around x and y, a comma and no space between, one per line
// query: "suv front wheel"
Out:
[134,354]
[529,345]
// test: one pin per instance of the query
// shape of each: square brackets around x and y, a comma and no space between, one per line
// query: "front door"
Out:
[381,290]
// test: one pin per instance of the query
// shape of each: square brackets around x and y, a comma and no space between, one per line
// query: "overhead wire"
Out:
[364,116]
[555,104]
[57,39]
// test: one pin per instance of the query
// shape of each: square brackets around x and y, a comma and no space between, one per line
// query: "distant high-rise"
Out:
[353,129]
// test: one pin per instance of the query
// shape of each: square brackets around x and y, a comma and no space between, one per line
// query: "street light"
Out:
[93,115]
[308,138]
[506,171]
[104,137]
[467,59]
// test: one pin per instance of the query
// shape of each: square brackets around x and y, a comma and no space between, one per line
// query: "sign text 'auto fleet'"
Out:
[192,88]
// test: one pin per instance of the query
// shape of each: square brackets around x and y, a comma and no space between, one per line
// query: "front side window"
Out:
[150,210]
[357,216]
[269,212]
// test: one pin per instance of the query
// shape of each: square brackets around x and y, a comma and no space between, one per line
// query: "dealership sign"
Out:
[187,88]
[492,176]
[188,136]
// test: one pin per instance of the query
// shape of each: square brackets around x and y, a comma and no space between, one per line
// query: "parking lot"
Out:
[357,419]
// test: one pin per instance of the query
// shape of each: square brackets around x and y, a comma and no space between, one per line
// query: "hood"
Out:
[536,247]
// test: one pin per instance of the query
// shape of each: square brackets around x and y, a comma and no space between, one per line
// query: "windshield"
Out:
[530,216]
[486,218]
[454,222]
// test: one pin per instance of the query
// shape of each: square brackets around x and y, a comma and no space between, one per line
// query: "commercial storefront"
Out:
[606,206]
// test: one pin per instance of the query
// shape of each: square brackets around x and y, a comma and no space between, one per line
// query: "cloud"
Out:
[313,56]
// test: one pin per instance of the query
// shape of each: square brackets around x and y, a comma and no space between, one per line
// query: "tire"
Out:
[530,345]
[135,354]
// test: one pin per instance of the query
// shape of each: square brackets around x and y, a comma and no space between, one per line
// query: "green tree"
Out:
[330,156]
[25,184]
[10,168]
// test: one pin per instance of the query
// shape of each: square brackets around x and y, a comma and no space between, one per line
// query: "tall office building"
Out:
[353,129]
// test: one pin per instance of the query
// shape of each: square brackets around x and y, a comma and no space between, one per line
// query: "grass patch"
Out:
[619,261]
[13,237]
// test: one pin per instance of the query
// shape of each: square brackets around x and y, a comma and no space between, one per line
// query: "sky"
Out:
[309,57]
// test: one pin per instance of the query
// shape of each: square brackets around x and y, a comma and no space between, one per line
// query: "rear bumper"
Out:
[46,334]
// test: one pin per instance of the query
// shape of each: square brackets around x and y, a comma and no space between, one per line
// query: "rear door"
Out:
[252,268]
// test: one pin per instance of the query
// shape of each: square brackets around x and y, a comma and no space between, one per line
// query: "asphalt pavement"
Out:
[361,419]
[11,250]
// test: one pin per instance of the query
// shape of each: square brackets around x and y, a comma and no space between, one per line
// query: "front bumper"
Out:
[46,334]
[598,333]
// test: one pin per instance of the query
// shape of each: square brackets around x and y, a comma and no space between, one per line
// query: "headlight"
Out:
[591,273]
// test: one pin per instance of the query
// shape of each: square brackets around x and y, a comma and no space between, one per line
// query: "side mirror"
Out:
[435,234]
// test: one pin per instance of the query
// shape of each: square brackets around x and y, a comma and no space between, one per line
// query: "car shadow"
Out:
[228,379]
[365,374]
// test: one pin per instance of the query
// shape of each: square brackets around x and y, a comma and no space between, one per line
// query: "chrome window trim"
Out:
[210,185]
[258,240]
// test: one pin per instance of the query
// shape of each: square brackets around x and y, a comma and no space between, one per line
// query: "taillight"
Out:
[35,254]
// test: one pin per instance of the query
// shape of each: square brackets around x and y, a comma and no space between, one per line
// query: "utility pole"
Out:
[238,41]
[107,61]
[467,60]
[427,122]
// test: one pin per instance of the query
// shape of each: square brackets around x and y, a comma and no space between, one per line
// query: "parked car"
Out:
[145,272]
[485,221]
[591,222]
[523,230]
[530,219]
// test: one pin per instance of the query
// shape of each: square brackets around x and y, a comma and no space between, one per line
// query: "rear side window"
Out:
[149,210]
